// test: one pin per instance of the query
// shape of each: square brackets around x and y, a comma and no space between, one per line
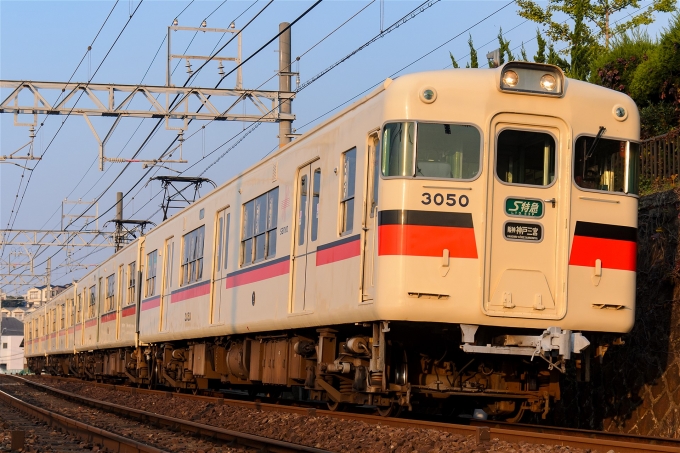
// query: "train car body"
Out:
[454,233]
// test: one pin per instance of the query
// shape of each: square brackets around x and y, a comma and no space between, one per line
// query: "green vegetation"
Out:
[618,55]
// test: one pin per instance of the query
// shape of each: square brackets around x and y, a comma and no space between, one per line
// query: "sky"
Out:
[48,41]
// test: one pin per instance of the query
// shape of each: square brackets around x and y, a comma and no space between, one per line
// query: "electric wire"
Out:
[416,11]
[2,249]
[149,136]
[71,111]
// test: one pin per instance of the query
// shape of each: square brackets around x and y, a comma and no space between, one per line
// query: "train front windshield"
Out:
[610,165]
[431,150]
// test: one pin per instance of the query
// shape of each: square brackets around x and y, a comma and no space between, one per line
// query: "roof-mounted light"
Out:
[532,78]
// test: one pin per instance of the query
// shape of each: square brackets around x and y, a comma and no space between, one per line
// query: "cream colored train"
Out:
[458,235]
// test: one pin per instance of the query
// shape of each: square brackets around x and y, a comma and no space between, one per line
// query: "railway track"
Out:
[162,433]
[603,442]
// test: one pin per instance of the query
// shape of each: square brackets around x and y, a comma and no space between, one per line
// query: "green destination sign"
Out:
[522,207]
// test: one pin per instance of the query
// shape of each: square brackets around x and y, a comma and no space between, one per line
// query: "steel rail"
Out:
[200,429]
[534,434]
[83,431]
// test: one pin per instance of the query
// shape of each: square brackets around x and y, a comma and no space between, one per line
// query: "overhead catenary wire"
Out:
[168,148]
[413,13]
[243,12]
[45,117]
[71,111]
[16,212]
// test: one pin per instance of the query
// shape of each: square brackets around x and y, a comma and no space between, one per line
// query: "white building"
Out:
[11,345]
[38,295]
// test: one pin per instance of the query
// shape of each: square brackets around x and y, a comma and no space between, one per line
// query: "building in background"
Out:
[11,345]
[38,295]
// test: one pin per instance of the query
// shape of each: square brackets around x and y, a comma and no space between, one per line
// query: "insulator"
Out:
[188,65]
[220,69]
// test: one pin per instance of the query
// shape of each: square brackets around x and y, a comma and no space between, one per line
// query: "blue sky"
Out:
[45,41]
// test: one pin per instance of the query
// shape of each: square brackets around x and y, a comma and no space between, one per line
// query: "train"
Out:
[456,238]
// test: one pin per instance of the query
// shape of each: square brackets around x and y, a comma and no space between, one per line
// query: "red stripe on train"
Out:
[129,311]
[109,317]
[259,274]
[613,253]
[190,293]
[338,252]
[422,240]
[90,323]
[151,303]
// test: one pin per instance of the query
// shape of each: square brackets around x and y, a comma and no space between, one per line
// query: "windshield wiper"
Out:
[597,139]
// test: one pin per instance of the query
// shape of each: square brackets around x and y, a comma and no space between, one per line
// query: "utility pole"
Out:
[119,218]
[49,279]
[284,84]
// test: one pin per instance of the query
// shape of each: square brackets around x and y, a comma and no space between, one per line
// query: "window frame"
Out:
[315,193]
[268,232]
[344,200]
[110,293]
[92,301]
[606,192]
[194,264]
[150,280]
[531,186]
[131,286]
[412,120]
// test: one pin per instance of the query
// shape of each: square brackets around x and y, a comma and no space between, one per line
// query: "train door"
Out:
[523,270]
[166,282]
[370,220]
[306,237]
[219,285]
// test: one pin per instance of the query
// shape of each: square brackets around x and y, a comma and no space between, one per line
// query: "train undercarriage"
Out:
[389,365]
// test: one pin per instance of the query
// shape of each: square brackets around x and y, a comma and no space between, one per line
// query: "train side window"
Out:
[258,237]
[192,260]
[220,226]
[151,260]
[316,193]
[110,292]
[349,167]
[610,165]
[302,220]
[63,316]
[398,149]
[226,240]
[93,301]
[121,285]
[132,282]
[525,158]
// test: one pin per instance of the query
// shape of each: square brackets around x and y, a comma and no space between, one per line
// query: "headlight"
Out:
[522,77]
[510,78]
[548,82]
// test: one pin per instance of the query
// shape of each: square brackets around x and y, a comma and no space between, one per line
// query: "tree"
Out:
[581,44]
[504,47]
[473,55]
[540,53]
[596,14]
[658,78]
[453,61]
[523,53]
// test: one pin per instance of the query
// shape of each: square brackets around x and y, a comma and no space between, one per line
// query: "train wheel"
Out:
[393,410]
[335,406]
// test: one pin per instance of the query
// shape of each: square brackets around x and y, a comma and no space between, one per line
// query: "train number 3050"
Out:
[439,199]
